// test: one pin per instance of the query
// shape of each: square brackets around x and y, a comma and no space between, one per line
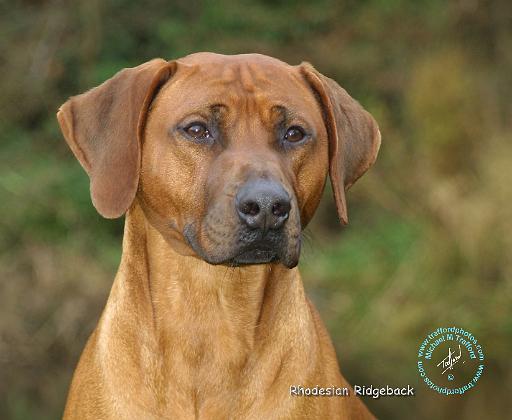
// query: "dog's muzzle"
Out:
[263,209]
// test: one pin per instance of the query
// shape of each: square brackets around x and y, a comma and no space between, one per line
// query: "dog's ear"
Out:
[354,136]
[103,128]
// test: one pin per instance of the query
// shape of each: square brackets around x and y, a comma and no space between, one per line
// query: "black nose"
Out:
[263,204]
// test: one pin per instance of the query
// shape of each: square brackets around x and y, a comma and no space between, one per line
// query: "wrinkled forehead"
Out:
[206,79]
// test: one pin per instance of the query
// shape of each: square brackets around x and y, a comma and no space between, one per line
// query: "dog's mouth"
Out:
[264,250]
[256,254]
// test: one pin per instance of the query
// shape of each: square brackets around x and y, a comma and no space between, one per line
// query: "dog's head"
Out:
[226,155]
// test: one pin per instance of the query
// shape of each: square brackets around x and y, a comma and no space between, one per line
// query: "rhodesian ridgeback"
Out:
[218,163]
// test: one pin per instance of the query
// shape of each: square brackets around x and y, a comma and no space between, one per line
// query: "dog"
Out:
[218,163]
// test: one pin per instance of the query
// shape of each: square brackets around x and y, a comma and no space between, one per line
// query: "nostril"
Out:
[281,209]
[250,208]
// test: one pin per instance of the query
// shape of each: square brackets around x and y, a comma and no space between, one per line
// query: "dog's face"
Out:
[235,158]
[230,153]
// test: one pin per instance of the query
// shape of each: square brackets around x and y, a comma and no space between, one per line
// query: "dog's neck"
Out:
[209,317]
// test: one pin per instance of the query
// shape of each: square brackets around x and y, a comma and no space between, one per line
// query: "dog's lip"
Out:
[261,245]
[257,252]
[191,238]
[255,256]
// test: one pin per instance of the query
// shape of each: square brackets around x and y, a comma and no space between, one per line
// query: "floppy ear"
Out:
[354,136]
[103,128]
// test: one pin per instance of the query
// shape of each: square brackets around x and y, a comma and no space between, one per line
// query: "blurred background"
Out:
[430,237]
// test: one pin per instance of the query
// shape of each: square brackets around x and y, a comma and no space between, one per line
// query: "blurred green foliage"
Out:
[430,239]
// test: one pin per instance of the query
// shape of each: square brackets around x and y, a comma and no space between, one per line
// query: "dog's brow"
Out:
[217,107]
[281,111]
[279,108]
[217,111]
[284,114]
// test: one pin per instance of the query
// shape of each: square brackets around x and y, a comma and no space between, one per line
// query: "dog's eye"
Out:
[294,134]
[197,131]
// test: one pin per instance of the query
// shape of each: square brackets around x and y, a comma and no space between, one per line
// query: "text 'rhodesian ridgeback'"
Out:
[218,163]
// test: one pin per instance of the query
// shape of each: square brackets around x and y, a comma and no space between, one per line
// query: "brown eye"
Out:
[197,131]
[294,134]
